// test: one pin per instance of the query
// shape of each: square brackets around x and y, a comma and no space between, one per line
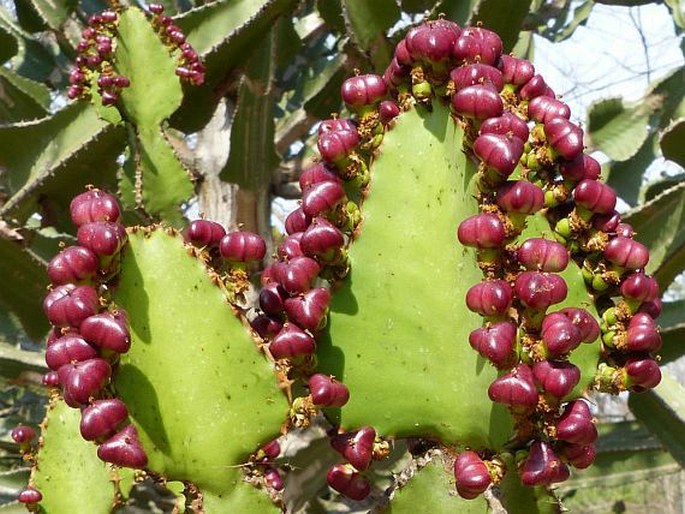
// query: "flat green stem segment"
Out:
[432,489]
[200,393]
[397,336]
[69,474]
[245,499]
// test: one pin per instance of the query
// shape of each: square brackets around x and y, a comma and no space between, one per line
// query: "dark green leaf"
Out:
[457,10]
[417,6]
[20,98]
[31,58]
[673,142]
[331,12]
[8,45]
[28,17]
[367,23]
[654,189]
[54,13]
[14,362]
[503,16]
[322,92]
[626,176]
[672,323]
[662,411]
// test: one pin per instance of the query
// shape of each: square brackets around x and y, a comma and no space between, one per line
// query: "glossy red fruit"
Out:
[51,379]
[271,450]
[297,221]
[642,338]
[68,348]
[102,418]
[564,137]
[296,276]
[94,205]
[490,297]
[433,41]
[542,466]
[543,255]
[479,102]
[499,153]
[108,331]
[580,456]
[242,246]
[642,372]
[481,231]
[516,71]
[606,222]
[396,73]
[388,111]
[580,168]
[322,240]
[309,310]
[74,264]
[583,321]
[471,475]
[83,380]
[559,334]
[334,147]
[652,308]
[595,196]
[356,447]
[29,496]
[509,124]
[291,247]
[520,196]
[266,326]
[271,298]
[495,342]
[515,389]
[626,253]
[335,124]
[539,290]
[348,482]
[69,305]
[363,90]
[124,449]
[534,87]
[291,341]
[204,233]
[476,44]
[322,198]
[474,74]
[327,392]
[556,378]
[402,56]
[576,424]
[625,230]
[273,478]
[640,287]
[317,173]
[102,237]
[543,109]
[22,434]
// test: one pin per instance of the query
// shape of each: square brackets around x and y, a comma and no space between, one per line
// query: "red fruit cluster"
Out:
[86,341]
[189,66]
[94,62]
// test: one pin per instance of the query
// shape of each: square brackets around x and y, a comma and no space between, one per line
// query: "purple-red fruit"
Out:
[543,255]
[388,111]
[297,221]
[83,380]
[335,146]
[335,124]
[204,233]
[543,109]
[579,456]
[606,222]
[51,379]
[356,447]
[653,308]
[476,44]
[242,246]
[642,372]
[490,297]
[539,290]
[626,253]
[474,74]
[559,334]
[296,276]
[348,482]
[479,102]
[520,196]
[625,230]
[581,168]
[291,341]
[309,310]
[22,434]
[102,418]
[576,425]
[271,298]
[271,450]
[432,42]
[68,348]
[29,496]
[317,173]
[72,265]
[124,449]
[327,392]
[290,247]
[534,87]
[102,237]
[640,287]
[322,239]
[565,138]
[471,475]
[69,305]
[94,205]
[495,341]
[509,124]
[516,71]
[483,230]
[273,478]
[498,152]
[322,197]
[515,389]
[556,378]
[108,331]
[542,466]
[363,90]
[266,326]
[584,321]
[595,196]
